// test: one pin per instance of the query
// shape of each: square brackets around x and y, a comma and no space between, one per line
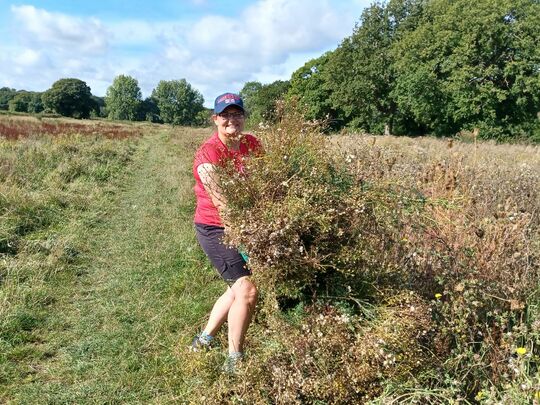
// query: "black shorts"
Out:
[227,260]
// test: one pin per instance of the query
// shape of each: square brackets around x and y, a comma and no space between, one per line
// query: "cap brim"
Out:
[220,109]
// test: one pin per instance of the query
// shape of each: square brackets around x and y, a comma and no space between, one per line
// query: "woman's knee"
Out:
[245,289]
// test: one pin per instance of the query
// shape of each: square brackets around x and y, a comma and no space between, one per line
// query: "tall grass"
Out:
[16,127]
[52,190]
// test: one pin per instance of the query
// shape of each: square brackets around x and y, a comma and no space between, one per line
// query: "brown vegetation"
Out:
[16,127]
[358,227]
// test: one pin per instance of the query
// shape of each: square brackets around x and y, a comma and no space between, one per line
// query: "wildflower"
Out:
[481,395]
[438,296]
[521,351]
[537,395]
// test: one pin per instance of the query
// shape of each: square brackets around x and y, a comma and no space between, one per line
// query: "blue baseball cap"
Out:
[226,100]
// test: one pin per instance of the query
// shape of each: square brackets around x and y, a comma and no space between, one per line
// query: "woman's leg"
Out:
[240,312]
[219,312]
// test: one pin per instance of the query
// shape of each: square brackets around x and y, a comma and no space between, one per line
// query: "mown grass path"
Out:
[113,334]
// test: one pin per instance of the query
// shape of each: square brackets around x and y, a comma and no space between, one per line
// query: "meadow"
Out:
[391,269]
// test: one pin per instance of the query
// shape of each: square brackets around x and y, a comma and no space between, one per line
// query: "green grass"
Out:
[111,326]
[102,283]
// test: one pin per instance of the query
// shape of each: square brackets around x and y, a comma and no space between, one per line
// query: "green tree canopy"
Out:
[36,103]
[69,97]
[361,73]
[6,94]
[123,98]
[178,102]
[472,64]
[19,103]
[249,93]
[26,101]
[310,85]
[260,99]
[98,109]
[149,111]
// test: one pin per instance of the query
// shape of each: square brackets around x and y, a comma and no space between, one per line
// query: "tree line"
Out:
[175,101]
[409,67]
[424,67]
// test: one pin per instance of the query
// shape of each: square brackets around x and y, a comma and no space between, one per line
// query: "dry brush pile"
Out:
[388,273]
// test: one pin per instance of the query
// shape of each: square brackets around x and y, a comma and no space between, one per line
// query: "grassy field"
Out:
[98,293]
[102,283]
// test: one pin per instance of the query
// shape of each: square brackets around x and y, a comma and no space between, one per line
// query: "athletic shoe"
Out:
[198,345]
[232,362]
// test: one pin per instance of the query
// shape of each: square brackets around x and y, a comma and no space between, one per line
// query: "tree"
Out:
[6,94]
[69,97]
[26,101]
[249,94]
[123,98]
[260,99]
[472,64]
[178,102]
[310,85]
[361,71]
[148,111]
[19,103]
[98,109]
[36,103]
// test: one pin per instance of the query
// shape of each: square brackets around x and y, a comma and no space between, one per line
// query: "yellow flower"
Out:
[537,395]
[521,351]
[481,395]
[438,296]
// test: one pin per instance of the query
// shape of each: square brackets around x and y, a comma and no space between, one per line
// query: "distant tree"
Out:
[19,103]
[249,94]
[309,84]
[148,111]
[26,101]
[6,94]
[98,108]
[361,71]
[203,118]
[260,99]
[69,97]
[123,98]
[472,64]
[36,103]
[178,102]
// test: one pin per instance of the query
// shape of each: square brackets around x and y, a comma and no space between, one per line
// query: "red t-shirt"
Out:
[216,152]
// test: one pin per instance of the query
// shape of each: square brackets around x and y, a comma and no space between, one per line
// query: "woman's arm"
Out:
[210,180]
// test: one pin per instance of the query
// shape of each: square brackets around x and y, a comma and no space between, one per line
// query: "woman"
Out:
[237,304]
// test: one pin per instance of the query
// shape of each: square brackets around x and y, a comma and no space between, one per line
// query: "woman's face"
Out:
[230,122]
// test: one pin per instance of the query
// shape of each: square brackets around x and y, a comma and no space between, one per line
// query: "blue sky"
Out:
[216,46]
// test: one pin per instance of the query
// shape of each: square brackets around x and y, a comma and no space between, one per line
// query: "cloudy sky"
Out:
[215,45]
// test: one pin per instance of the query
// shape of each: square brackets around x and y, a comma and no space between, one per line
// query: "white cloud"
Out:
[225,52]
[143,33]
[27,57]
[268,31]
[60,30]
[267,41]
